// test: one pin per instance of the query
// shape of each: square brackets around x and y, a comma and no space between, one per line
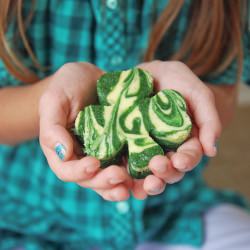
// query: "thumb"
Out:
[58,139]
[54,110]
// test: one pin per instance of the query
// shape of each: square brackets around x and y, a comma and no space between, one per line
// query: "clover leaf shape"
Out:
[130,118]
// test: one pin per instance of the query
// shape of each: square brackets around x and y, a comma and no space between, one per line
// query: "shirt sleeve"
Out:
[229,75]
[3,75]
[6,79]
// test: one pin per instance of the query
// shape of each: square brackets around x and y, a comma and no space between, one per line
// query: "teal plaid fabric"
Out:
[38,211]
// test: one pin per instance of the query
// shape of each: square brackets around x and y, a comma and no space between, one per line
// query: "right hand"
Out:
[71,88]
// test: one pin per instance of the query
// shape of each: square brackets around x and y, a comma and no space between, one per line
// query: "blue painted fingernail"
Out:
[60,151]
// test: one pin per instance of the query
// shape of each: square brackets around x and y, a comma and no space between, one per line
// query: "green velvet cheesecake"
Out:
[129,119]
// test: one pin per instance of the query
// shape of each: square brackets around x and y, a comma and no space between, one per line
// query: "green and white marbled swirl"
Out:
[165,115]
[127,118]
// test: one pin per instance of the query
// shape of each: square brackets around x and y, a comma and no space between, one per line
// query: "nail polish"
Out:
[60,151]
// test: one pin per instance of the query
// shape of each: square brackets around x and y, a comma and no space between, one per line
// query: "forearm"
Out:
[19,119]
[225,99]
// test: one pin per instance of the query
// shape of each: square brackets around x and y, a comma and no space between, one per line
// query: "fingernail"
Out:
[161,168]
[180,164]
[113,197]
[60,151]
[156,190]
[90,170]
[215,147]
[175,179]
[115,181]
[172,181]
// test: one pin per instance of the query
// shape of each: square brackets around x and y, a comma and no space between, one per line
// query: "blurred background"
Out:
[231,167]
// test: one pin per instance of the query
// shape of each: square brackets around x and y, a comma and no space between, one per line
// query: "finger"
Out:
[208,137]
[138,190]
[137,185]
[188,155]
[73,170]
[159,165]
[53,120]
[207,119]
[162,168]
[153,185]
[117,193]
[108,178]
[78,150]
[58,139]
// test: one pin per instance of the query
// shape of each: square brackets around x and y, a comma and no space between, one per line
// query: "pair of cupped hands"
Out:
[73,87]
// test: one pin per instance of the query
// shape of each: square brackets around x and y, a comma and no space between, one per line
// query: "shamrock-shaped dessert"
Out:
[128,118]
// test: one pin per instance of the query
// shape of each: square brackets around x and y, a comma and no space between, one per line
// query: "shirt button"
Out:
[116,60]
[112,4]
[122,207]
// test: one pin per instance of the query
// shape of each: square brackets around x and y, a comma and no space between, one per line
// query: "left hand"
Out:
[206,127]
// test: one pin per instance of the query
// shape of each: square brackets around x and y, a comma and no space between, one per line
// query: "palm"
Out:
[175,75]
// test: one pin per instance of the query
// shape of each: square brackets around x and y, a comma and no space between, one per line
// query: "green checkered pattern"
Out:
[40,212]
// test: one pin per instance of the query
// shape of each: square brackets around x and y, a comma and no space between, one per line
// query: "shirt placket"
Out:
[120,218]
[121,225]
[113,35]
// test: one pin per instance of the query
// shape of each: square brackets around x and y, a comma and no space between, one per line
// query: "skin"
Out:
[19,112]
[73,86]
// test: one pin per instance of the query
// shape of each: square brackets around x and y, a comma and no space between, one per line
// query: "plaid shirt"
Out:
[38,211]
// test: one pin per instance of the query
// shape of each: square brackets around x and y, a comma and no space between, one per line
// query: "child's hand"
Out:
[71,88]
[206,129]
